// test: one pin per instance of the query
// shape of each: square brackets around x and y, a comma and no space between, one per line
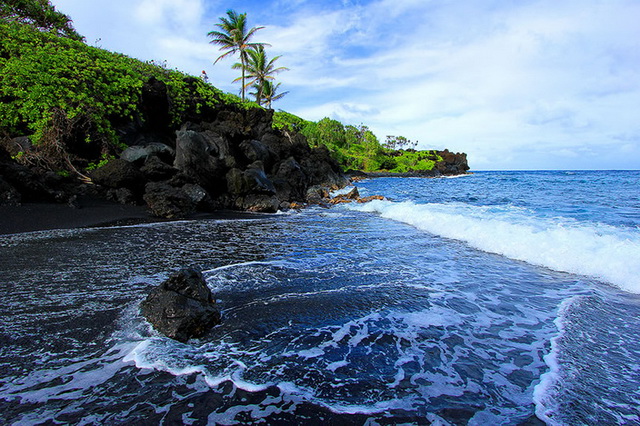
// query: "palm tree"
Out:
[259,69]
[234,37]
[268,91]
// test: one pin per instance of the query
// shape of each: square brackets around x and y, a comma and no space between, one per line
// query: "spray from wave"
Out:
[596,250]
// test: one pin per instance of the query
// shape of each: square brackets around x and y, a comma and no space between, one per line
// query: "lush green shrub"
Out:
[40,14]
[59,91]
[288,121]
[42,75]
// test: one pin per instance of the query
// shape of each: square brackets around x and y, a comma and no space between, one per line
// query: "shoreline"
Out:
[90,212]
[419,174]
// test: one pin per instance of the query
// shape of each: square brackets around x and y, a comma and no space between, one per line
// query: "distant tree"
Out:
[234,37]
[259,69]
[269,92]
[40,14]
[398,142]
[361,135]
[390,142]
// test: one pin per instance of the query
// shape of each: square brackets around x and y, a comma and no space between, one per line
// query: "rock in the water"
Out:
[182,307]
[317,194]
[350,196]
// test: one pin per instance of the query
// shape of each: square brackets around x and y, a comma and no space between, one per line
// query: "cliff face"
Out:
[452,163]
[226,158]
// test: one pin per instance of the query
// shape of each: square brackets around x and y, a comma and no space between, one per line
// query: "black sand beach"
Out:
[89,212]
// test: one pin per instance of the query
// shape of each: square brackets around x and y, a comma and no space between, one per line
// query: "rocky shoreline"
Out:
[226,158]
[229,158]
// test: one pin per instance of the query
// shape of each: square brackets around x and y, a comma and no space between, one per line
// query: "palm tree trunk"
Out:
[243,69]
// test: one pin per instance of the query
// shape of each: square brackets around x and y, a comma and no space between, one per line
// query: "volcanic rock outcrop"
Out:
[182,307]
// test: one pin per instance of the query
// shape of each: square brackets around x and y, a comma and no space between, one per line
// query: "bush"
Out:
[67,95]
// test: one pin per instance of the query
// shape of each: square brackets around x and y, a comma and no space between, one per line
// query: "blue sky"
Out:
[526,84]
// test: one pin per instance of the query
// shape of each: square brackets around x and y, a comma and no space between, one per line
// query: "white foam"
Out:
[600,251]
[76,378]
[236,265]
[342,191]
[337,364]
[543,393]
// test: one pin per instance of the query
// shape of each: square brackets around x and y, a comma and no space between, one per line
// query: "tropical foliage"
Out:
[63,93]
[234,37]
[40,14]
[268,92]
[257,70]
[261,71]
[356,147]
[59,90]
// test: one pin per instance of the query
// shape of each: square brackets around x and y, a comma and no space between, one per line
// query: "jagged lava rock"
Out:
[168,201]
[182,307]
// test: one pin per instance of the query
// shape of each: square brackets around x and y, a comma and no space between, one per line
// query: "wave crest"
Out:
[596,250]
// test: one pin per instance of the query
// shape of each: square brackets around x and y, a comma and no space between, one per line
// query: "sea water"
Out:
[493,298]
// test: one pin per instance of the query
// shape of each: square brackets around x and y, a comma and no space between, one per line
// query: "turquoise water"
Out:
[494,298]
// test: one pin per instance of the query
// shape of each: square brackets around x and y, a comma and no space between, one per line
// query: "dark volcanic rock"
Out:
[252,180]
[155,169]
[155,105]
[257,179]
[24,184]
[167,201]
[317,194]
[260,203]
[452,164]
[323,170]
[118,174]
[140,153]
[9,196]
[256,151]
[122,196]
[182,307]
[17,145]
[290,180]
[198,195]
[194,159]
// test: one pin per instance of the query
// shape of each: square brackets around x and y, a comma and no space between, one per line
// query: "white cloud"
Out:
[511,81]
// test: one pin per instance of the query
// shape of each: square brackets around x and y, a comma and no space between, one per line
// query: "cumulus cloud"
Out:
[512,81]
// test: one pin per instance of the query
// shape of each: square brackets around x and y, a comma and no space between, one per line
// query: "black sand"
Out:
[90,212]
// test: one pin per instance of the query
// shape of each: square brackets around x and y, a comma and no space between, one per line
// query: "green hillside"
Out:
[69,98]
[356,147]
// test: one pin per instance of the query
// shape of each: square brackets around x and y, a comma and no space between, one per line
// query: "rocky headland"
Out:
[227,158]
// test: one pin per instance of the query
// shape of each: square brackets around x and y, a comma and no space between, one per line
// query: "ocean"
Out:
[497,298]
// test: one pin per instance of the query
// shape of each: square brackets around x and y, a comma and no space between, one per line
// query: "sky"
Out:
[516,84]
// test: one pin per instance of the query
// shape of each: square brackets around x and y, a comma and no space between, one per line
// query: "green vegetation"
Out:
[269,92]
[261,73]
[69,97]
[39,14]
[356,147]
[234,37]
[62,92]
